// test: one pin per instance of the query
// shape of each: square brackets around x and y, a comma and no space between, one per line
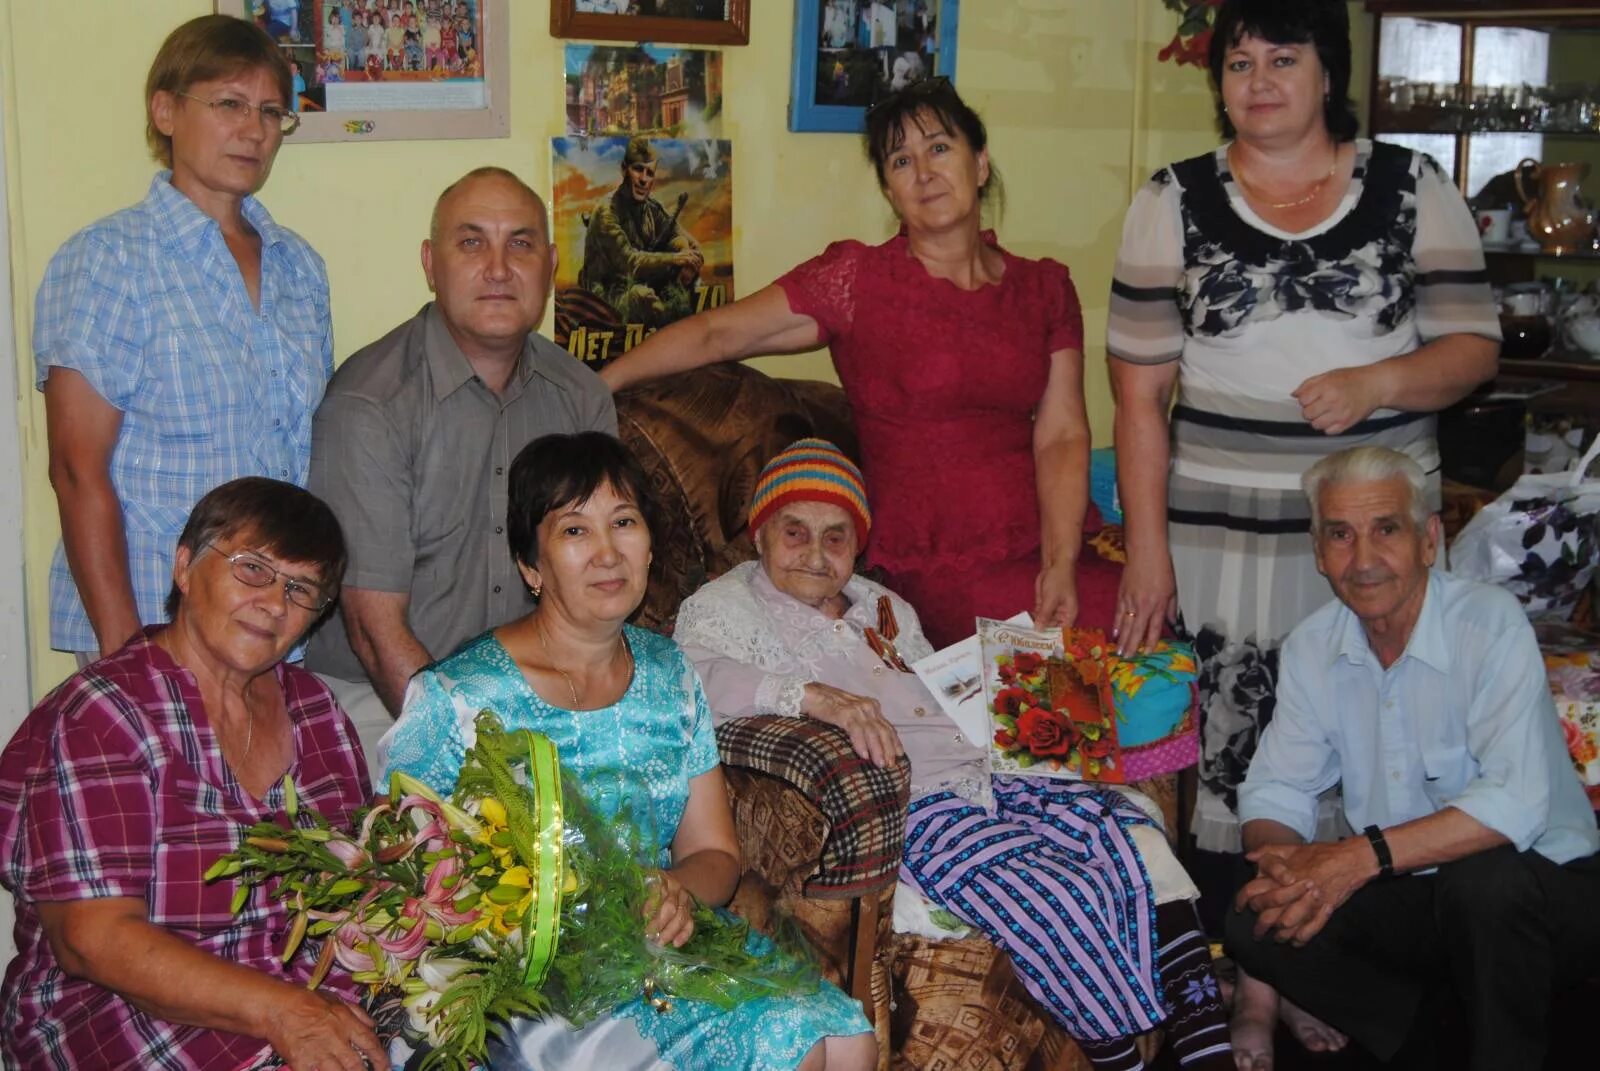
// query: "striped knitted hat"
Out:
[812,470]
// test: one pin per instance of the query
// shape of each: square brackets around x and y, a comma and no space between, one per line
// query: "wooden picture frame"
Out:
[410,106]
[567,20]
[934,49]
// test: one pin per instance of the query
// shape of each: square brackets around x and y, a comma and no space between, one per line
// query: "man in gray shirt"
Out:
[414,439]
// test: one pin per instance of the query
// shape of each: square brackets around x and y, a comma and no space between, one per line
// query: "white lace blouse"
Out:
[757,648]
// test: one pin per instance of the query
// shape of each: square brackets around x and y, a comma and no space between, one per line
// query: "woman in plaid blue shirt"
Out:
[179,343]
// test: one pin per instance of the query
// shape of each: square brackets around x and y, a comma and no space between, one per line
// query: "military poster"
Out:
[643,89]
[644,228]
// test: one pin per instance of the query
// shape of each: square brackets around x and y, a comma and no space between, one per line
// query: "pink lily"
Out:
[406,944]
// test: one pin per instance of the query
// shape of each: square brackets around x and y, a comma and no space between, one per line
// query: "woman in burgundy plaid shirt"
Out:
[128,781]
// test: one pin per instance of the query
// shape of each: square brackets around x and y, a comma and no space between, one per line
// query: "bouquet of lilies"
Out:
[511,899]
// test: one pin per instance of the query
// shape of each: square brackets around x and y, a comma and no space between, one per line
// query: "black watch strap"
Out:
[1381,848]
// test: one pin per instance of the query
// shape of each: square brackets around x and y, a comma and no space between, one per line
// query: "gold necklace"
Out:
[577,703]
[250,726]
[249,738]
[1316,190]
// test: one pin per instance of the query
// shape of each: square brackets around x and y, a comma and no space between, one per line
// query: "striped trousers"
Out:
[1052,877]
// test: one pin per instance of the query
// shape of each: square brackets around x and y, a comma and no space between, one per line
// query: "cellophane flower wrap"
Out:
[513,898]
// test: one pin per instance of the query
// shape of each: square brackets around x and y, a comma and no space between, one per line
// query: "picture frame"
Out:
[584,18]
[466,95]
[849,52]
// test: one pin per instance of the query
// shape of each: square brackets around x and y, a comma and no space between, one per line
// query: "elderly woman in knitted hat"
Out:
[1080,888]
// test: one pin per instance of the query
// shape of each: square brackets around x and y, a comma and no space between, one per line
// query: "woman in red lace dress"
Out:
[964,368]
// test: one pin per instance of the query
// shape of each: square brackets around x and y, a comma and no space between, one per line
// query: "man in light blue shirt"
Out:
[1424,698]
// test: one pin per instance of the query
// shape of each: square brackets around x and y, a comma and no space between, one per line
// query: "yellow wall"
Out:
[1078,108]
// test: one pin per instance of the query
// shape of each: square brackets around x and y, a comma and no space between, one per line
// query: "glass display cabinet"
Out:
[1506,96]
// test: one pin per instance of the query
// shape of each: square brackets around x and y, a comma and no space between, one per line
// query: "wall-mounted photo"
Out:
[645,89]
[385,70]
[693,22]
[644,227]
[849,54]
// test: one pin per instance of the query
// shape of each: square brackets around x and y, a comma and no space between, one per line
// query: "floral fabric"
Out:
[1572,660]
[1251,312]
[638,757]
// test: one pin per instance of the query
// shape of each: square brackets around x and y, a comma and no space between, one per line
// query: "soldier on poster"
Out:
[644,229]
[635,255]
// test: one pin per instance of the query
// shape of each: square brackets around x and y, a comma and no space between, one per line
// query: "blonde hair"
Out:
[204,49]
[1366,464]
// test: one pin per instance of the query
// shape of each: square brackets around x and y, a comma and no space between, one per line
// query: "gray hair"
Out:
[487,171]
[1366,464]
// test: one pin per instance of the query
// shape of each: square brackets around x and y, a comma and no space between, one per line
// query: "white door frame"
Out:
[16,689]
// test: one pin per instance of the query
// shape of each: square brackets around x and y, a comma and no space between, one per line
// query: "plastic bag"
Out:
[1540,540]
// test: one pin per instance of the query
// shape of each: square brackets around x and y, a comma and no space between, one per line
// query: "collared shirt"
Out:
[149,306]
[413,452]
[1463,719]
[756,648]
[115,786]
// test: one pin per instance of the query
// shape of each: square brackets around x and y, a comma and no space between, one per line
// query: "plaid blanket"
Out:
[863,805]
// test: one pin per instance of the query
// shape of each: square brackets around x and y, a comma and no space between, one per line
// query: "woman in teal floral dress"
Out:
[627,714]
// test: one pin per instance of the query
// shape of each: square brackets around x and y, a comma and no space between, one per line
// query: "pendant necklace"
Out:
[571,687]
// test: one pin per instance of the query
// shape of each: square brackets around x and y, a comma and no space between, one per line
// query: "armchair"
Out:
[821,830]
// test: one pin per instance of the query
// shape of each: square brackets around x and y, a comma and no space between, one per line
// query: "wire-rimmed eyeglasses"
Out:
[250,570]
[235,111]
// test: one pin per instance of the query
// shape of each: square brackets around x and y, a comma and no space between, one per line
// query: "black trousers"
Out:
[1502,929]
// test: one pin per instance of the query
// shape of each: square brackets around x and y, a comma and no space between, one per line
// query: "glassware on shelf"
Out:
[1526,328]
[1446,107]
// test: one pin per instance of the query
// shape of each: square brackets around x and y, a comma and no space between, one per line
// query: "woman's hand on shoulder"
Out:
[873,738]
[1146,601]
[1055,595]
[1336,401]
[318,1032]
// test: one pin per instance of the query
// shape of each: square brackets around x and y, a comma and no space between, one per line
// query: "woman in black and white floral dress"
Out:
[1304,291]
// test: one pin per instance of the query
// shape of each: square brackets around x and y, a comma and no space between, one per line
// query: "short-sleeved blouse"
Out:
[149,307]
[115,786]
[1254,311]
[640,753]
[943,384]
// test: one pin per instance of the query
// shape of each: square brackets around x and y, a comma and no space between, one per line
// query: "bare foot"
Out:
[1308,1030]
[1255,1017]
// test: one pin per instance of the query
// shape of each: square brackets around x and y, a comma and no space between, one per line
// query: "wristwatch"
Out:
[1380,847]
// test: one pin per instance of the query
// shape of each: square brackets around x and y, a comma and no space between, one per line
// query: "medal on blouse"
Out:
[881,639]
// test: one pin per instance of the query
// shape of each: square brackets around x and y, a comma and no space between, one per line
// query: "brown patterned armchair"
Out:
[821,830]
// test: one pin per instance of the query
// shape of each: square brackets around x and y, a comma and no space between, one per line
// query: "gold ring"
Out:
[1131,613]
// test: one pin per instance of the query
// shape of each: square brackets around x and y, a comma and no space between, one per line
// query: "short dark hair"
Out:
[555,471]
[1323,24]
[203,49]
[929,97]
[286,521]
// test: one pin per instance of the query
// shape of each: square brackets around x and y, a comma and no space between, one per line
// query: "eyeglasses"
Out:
[251,571]
[235,111]
[920,89]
